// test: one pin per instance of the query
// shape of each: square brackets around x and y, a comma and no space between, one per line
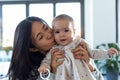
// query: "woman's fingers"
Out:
[81,53]
[83,45]
[56,54]
[59,62]
[54,51]
[78,51]
[84,57]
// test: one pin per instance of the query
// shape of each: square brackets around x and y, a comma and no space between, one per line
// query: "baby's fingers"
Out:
[113,51]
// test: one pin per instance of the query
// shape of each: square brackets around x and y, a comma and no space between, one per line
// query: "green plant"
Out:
[110,65]
[7,49]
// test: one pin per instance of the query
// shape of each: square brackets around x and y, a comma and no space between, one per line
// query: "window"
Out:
[118,18]
[44,11]
[12,15]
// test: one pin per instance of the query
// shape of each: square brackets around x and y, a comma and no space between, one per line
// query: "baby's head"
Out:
[64,29]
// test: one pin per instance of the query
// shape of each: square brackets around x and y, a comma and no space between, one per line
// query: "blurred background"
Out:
[98,22]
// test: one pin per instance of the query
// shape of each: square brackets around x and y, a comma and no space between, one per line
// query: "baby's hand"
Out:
[113,51]
[42,69]
[44,72]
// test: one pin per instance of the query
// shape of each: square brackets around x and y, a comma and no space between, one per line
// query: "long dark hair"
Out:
[23,61]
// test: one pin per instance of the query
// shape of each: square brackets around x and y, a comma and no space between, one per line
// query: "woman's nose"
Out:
[49,33]
[49,36]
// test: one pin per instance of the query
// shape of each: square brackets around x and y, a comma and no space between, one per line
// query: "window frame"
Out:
[28,2]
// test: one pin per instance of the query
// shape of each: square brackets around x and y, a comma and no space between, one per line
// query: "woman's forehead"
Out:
[36,23]
[36,28]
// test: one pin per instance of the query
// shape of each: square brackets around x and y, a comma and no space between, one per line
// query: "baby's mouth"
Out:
[62,40]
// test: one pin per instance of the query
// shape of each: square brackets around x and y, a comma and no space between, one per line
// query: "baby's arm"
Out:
[43,68]
[45,64]
[98,53]
[103,54]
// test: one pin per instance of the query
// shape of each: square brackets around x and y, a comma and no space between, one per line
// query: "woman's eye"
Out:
[57,32]
[40,37]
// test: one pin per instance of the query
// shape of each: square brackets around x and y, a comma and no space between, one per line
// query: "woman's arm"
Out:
[82,53]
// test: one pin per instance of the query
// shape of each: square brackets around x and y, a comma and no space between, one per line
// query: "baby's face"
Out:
[63,32]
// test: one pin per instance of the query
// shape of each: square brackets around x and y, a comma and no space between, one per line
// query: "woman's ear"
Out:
[33,50]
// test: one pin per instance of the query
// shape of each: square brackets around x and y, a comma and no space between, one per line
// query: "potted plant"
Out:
[7,49]
[110,66]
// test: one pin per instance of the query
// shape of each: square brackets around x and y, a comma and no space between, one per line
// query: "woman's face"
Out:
[42,37]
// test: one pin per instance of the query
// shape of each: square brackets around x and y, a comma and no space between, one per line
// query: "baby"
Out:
[73,69]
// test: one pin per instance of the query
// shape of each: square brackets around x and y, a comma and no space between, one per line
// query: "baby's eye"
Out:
[66,30]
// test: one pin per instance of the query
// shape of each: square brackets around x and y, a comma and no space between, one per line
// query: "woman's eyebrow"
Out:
[43,26]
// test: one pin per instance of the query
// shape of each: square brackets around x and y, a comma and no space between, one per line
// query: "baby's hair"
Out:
[62,17]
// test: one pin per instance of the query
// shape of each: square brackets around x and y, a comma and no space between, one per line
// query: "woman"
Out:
[33,39]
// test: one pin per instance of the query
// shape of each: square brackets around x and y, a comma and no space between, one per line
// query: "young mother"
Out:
[33,39]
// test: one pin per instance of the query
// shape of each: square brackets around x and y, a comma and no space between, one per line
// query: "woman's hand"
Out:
[81,52]
[55,55]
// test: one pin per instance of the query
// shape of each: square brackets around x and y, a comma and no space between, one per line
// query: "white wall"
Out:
[119,19]
[89,21]
[102,21]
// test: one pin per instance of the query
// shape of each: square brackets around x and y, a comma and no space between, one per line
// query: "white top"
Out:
[75,69]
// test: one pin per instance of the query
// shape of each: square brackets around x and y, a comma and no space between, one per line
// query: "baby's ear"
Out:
[33,49]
